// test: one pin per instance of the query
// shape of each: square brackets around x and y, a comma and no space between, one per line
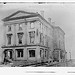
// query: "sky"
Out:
[63,14]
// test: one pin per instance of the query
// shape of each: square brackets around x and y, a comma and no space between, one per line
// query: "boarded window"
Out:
[31,53]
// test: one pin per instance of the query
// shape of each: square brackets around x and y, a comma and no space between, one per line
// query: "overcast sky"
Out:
[62,14]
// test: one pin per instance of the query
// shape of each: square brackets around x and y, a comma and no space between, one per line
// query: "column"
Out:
[14,54]
[59,57]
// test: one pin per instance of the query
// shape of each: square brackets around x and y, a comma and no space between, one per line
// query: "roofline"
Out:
[45,20]
[60,29]
[16,13]
[21,17]
[35,14]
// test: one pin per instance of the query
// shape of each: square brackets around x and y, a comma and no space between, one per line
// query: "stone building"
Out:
[59,43]
[29,38]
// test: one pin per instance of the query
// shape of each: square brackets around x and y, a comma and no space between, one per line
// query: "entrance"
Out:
[8,55]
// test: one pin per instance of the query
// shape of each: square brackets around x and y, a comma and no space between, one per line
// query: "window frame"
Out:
[9,28]
[20,27]
[20,52]
[41,52]
[31,55]
[32,36]
[20,39]
[9,35]
[32,25]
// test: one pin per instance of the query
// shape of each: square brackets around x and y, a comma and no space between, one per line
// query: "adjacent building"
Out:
[29,38]
[59,44]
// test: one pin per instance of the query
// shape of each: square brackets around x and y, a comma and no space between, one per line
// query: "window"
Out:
[41,52]
[9,28]
[45,53]
[32,25]
[19,52]
[47,40]
[31,53]
[9,38]
[20,35]
[41,38]
[41,27]
[20,26]
[32,36]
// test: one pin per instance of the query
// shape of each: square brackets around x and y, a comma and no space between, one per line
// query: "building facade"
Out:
[59,44]
[29,38]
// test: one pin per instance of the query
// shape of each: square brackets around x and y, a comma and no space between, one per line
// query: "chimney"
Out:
[53,23]
[42,13]
[49,20]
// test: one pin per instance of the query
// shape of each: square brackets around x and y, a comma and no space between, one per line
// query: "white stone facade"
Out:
[30,33]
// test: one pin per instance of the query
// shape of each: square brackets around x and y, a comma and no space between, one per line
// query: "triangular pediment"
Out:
[19,14]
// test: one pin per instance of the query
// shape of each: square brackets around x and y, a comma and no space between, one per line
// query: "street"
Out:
[61,64]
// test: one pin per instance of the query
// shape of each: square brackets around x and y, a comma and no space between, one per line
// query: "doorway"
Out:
[8,55]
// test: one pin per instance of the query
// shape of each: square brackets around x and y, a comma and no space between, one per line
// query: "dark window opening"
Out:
[10,54]
[9,38]
[45,53]
[9,28]
[31,53]
[40,52]
[32,36]
[19,52]
[20,35]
